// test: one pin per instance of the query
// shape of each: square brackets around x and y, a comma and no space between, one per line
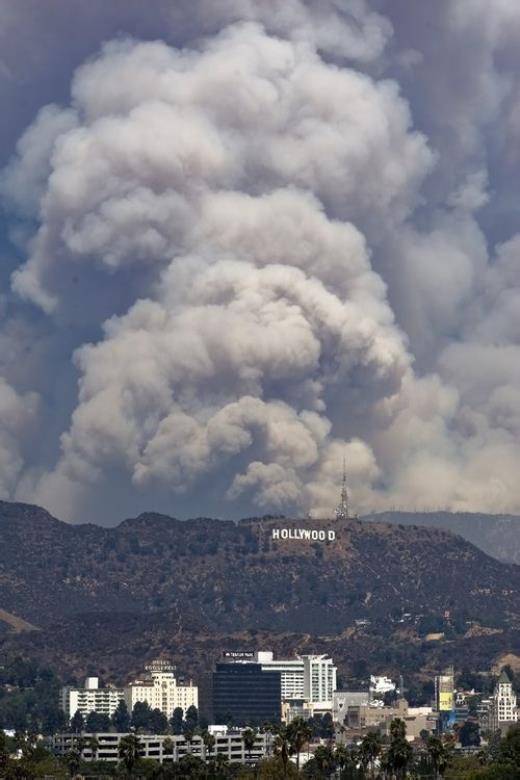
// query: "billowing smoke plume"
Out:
[258,265]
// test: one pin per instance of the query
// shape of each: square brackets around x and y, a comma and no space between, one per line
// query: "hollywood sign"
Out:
[304,534]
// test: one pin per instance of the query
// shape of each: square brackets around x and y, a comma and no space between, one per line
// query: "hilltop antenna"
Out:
[343,510]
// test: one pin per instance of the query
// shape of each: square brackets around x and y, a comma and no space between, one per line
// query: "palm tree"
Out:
[369,750]
[209,743]
[93,744]
[282,748]
[249,739]
[439,754]
[188,736]
[400,753]
[300,734]
[346,759]
[73,762]
[325,760]
[129,747]
[167,746]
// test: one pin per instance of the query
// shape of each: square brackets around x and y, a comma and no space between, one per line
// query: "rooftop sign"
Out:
[304,534]
[239,654]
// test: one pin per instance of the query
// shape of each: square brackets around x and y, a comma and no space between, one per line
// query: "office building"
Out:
[246,694]
[89,699]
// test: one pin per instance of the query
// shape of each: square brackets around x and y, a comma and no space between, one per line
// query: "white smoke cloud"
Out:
[17,420]
[262,266]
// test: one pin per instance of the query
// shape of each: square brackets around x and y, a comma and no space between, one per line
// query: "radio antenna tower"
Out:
[343,510]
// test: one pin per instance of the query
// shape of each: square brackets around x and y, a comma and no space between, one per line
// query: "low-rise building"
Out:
[342,700]
[89,699]
[165,749]
[381,685]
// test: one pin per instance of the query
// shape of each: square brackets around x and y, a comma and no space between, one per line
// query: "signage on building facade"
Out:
[304,534]
[239,654]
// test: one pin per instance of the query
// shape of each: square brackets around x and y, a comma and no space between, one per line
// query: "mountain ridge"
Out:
[497,535]
[116,596]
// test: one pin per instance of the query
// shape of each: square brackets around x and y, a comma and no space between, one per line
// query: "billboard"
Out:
[446,701]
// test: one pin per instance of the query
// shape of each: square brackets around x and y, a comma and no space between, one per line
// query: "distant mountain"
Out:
[496,535]
[110,599]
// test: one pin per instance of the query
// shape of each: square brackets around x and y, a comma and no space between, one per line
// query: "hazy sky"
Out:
[241,239]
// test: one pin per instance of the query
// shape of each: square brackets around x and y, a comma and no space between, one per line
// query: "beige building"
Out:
[364,717]
[161,690]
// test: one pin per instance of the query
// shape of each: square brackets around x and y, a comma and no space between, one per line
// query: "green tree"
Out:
[399,755]
[97,722]
[439,754]
[93,744]
[249,739]
[469,734]
[192,768]
[129,747]
[72,762]
[369,750]
[77,723]
[191,720]
[327,726]
[4,754]
[121,718]
[346,760]
[325,760]
[141,716]
[299,733]
[509,747]
[168,746]
[282,748]
[209,743]
[158,722]
[176,720]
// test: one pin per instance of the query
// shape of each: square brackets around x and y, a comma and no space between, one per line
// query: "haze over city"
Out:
[242,240]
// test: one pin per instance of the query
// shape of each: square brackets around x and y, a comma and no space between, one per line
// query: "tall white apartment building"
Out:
[161,690]
[504,708]
[291,674]
[319,680]
[309,678]
[91,698]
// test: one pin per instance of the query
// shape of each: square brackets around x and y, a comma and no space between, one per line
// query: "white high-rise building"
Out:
[291,674]
[91,698]
[161,690]
[309,678]
[504,708]
[319,680]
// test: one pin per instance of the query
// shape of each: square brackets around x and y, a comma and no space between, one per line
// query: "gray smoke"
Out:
[263,246]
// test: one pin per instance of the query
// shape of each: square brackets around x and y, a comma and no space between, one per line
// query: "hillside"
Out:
[496,535]
[109,599]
